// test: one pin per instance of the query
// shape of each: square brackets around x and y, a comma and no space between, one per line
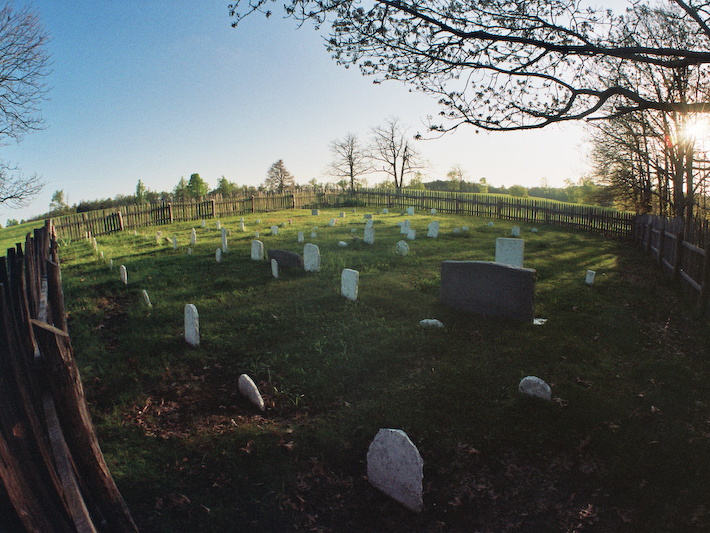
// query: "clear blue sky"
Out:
[156,90]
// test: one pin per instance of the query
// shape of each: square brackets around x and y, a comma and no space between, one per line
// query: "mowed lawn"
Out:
[624,445]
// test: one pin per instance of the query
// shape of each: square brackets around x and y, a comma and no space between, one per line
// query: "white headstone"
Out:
[369,235]
[410,211]
[510,251]
[412,235]
[433,229]
[174,242]
[218,255]
[193,237]
[534,230]
[348,283]
[300,236]
[589,279]
[241,226]
[123,273]
[241,220]
[332,222]
[192,325]
[110,264]
[274,230]
[225,249]
[258,221]
[146,298]
[402,248]
[250,391]
[314,234]
[342,244]
[94,243]
[431,323]
[404,228]
[490,224]
[457,230]
[432,212]
[370,223]
[395,467]
[311,258]
[464,228]
[342,214]
[515,231]
[275,268]
[385,211]
[189,250]
[533,386]
[204,224]
[257,250]
[218,224]
[256,234]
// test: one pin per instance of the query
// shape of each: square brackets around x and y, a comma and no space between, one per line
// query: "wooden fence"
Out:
[534,211]
[51,467]
[681,249]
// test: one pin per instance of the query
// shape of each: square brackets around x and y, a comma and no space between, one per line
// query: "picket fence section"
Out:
[534,211]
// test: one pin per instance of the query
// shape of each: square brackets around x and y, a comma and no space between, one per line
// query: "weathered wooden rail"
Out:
[53,476]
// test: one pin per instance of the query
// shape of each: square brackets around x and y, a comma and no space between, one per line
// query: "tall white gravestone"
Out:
[225,249]
[123,273]
[433,229]
[311,258]
[348,283]
[192,325]
[275,268]
[510,251]
[369,235]
[395,467]
[193,237]
[257,250]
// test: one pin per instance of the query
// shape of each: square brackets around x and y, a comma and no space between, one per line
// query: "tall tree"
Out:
[226,188]
[197,187]
[506,65]
[58,203]
[141,191]
[393,153]
[350,160]
[181,192]
[278,178]
[24,64]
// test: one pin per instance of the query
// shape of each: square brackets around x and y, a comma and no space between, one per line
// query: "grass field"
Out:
[623,446]
[14,234]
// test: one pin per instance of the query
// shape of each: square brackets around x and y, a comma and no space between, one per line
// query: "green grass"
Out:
[622,447]
[14,234]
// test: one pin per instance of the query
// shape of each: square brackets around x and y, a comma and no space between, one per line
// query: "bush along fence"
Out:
[609,222]
[51,467]
[682,250]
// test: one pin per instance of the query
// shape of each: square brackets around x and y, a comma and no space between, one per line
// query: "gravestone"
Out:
[204,224]
[123,273]
[457,230]
[369,235]
[274,230]
[146,298]
[370,223]
[94,243]
[433,229]
[275,268]
[299,236]
[488,288]
[464,228]
[218,255]
[412,235]
[353,230]
[367,215]
[101,254]
[395,467]
[282,225]
[348,283]
[242,227]
[315,212]
[385,211]
[431,323]
[432,212]
[174,242]
[589,279]
[535,387]
[311,258]
[250,391]
[218,224]
[314,234]
[192,325]
[193,237]
[285,258]
[258,221]
[332,222]
[241,220]
[534,230]
[342,214]
[256,234]
[257,250]
[410,211]
[401,248]
[404,228]
[110,264]
[225,249]
[189,250]
[342,244]
[510,251]
[515,231]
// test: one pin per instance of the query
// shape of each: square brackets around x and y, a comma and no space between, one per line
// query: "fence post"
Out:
[678,255]
[170,212]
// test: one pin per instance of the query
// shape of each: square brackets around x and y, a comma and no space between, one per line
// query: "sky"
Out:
[156,91]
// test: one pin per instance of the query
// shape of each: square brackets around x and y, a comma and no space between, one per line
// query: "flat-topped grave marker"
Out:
[510,251]
[395,467]
[193,237]
[315,212]
[299,236]
[488,288]
[192,325]
[349,280]
[589,279]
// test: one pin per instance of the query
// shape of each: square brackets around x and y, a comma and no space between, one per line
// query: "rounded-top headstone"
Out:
[250,391]
[535,387]
[192,325]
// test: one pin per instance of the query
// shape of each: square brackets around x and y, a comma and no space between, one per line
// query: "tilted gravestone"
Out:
[286,259]
[250,391]
[275,268]
[510,251]
[491,289]
[146,298]
[433,229]
[257,250]
[348,283]
[535,387]
[395,467]
[311,258]
[192,325]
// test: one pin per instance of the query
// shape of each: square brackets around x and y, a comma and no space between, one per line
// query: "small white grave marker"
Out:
[433,229]
[332,222]
[342,214]
[218,224]
[589,279]
[369,235]
[225,248]
[300,236]
[348,283]
[218,255]
[146,298]
[110,264]
[515,231]
[174,242]
[412,235]
[250,391]
[189,250]
[257,250]
[193,237]
[395,467]
[431,323]
[123,273]
[510,251]
[274,230]
[385,211]
[204,225]
[432,212]
[314,234]
[535,387]
[256,234]
[342,244]
[410,211]
[311,258]
[275,268]
[241,226]
[315,212]
[464,228]
[402,248]
[192,325]
[404,228]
